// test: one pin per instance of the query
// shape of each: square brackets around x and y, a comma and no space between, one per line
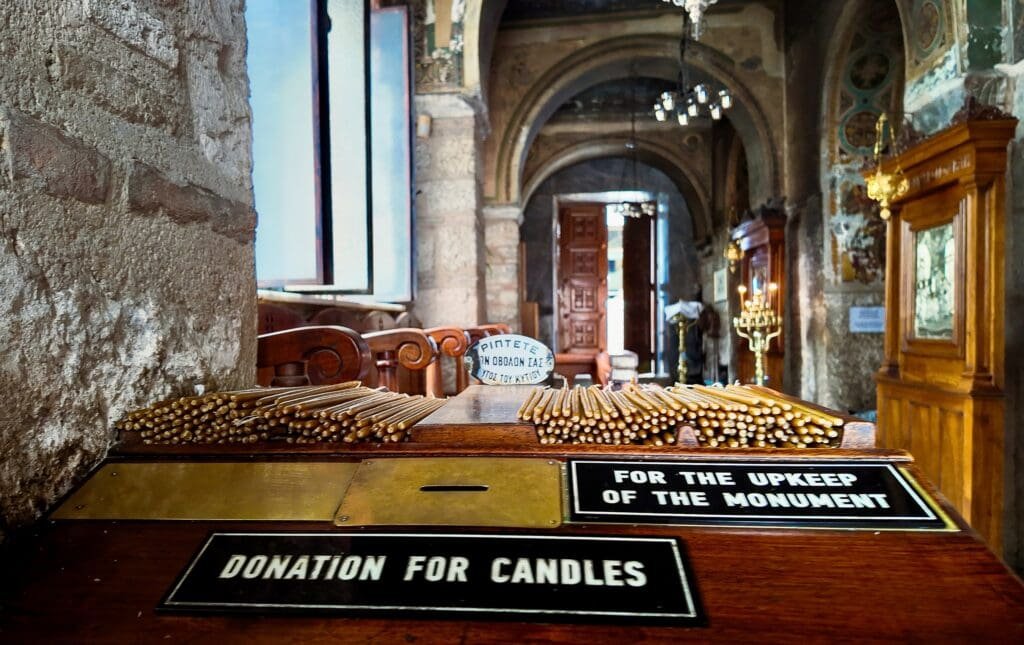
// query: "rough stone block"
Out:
[136,27]
[448,305]
[150,192]
[439,198]
[119,92]
[64,167]
[449,153]
[219,91]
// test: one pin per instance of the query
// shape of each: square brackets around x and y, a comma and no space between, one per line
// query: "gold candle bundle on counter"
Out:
[345,412]
[634,415]
[733,416]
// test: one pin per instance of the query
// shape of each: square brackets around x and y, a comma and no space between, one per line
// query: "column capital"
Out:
[498,212]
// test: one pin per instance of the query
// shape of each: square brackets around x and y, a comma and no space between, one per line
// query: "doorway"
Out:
[605,281]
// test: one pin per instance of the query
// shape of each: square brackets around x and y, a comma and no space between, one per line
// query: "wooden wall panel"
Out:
[925,439]
[951,468]
[940,390]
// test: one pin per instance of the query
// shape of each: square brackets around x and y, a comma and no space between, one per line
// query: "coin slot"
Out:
[454,489]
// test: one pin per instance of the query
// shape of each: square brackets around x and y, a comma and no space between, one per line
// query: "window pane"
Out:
[390,137]
[346,69]
[281,82]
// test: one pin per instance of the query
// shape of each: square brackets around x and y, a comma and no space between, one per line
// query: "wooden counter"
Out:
[73,579]
[93,580]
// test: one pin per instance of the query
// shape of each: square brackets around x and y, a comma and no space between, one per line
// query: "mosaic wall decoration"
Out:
[1018,30]
[538,9]
[438,68]
[930,33]
[869,82]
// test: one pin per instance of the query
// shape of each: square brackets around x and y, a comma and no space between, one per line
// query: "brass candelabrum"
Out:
[758,323]
[683,325]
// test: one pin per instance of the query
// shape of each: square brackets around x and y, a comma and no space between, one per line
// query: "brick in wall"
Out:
[151,192]
[119,92]
[136,27]
[60,165]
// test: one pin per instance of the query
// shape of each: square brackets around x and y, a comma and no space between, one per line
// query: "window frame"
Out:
[401,215]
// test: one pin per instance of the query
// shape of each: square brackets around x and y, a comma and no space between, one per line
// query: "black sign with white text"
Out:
[517,577]
[804,493]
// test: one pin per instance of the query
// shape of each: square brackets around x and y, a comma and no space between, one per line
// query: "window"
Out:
[327,103]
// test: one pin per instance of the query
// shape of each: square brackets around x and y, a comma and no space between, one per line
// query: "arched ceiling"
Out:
[619,58]
[659,156]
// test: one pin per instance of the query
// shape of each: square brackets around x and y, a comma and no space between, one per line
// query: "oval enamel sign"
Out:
[509,359]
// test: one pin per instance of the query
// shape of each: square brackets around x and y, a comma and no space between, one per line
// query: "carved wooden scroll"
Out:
[410,348]
[451,341]
[311,355]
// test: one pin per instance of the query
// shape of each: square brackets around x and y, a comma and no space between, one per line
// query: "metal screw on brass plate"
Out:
[79,507]
[343,518]
[552,463]
[113,473]
[552,521]
[367,463]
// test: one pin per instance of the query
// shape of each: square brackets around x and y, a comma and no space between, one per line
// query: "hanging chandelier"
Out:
[627,208]
[687,101]
[695,10]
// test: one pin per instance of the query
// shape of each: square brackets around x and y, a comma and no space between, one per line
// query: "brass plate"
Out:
[298,491]
[462,491]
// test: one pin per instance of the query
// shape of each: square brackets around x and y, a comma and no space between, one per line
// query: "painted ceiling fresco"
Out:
[533,9]
[869,81]
[614,97]
[1018,32]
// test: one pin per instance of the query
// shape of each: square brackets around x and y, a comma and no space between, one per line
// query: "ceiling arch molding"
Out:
[615,58]
[668,161]
[480,27]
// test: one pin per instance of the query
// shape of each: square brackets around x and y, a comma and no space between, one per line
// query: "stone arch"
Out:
[663,158]
[480,27]
[611,59]
[736,197]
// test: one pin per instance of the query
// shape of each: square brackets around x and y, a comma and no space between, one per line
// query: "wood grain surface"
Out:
[97,581]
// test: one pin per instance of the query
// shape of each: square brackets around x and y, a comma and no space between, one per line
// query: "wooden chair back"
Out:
[311,356]
[453,342]
[407,347]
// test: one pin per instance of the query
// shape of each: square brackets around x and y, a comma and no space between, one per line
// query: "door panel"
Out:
[582,278]
[638,288]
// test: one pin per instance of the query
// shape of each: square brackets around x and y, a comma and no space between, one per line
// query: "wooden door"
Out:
[582,279]
[638,288]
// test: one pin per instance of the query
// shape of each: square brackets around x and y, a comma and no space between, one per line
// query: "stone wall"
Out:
[449,234]
[126,225]
[501,237]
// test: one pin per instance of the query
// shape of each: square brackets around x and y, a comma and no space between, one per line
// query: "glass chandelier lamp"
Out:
[695,10]
[632,208]
[687,101]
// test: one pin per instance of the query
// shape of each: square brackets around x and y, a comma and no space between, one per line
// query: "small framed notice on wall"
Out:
[721,284]
[867,320]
